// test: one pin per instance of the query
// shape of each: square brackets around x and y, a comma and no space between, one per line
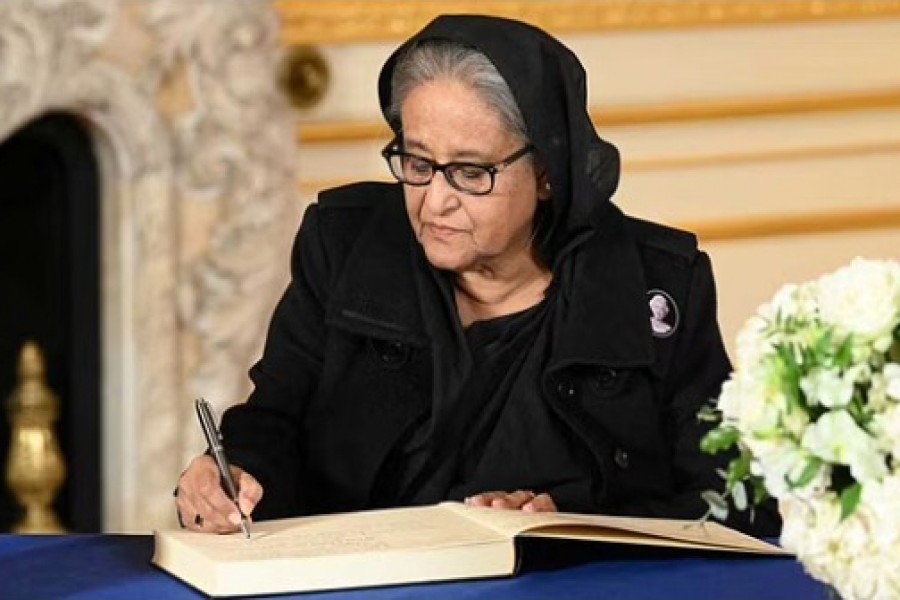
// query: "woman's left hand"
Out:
[519,500]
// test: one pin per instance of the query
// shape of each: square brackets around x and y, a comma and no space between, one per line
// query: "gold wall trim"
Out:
[730,108]
[747,227]
[310,188]
[793,225]
[615,116]
[343,131]
[638,165]
[338,22]
[635,165]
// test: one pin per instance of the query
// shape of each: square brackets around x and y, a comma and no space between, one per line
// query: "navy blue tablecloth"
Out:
[118,567]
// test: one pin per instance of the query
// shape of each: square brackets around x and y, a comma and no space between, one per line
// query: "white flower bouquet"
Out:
[813,407]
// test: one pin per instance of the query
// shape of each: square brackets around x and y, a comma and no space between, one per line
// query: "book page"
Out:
[421,528]
[632,530]
[509,523]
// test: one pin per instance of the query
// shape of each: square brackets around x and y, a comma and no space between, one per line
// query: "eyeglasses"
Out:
[469,178]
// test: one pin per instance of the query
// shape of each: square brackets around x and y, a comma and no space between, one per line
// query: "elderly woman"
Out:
[481,330]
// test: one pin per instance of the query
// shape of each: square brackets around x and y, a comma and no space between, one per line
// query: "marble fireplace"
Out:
[195,146]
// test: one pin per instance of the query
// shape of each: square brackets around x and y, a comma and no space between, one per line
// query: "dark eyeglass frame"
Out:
[392,150]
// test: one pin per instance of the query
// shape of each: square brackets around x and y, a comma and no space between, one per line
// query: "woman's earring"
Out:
[545,192]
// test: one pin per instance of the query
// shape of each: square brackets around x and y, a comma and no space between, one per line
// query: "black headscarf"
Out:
[548,82]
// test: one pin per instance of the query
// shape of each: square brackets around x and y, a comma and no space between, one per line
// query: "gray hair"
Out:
[434,59]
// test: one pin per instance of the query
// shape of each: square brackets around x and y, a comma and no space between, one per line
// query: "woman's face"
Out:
[445,121]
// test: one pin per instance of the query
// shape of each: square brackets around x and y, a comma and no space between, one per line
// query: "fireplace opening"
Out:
[49,293]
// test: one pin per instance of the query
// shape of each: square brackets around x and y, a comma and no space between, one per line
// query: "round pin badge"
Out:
[664,316]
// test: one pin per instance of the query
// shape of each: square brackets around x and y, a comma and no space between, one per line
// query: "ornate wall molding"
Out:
[235,164]
[338,21]
[197,156]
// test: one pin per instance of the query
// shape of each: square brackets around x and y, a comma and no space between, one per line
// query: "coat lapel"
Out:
[375,294]
[606,320]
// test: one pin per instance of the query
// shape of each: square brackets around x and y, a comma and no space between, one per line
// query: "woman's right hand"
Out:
[524,500]
[202,503]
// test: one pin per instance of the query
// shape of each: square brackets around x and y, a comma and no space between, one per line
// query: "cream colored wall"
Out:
[780,159]
[801,166]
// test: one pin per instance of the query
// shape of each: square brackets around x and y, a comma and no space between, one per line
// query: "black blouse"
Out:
[422,471]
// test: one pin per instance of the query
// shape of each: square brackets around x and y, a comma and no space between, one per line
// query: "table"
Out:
[69,567]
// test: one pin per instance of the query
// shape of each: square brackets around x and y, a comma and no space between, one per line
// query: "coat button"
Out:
[620,457]
[605,379]
[565,390]
[393,355]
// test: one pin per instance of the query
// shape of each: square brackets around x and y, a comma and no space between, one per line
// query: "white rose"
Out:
[860,577]
[780,462]
[747,404]
[729,401]
[808,531]
[870,541]
[859,373]
[840,552]
[797,520]
[836,438]
[827,387]
[886,428]
[752,343]
[791,301]
[891,374]
[795,421]
[882,500]
[862,298]
[876,393]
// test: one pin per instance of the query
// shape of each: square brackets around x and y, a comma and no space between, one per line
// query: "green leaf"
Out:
[850,499]
[857,409]
[813,465]
[718,439]
[760,493]
[844,356]
[738,469]
[824,343]
[786,354]
[709,414]
[718,506]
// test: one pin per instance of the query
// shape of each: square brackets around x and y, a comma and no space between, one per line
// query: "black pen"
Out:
[214,440]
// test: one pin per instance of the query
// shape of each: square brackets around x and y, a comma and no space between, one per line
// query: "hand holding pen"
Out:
[214,441]
[213,496]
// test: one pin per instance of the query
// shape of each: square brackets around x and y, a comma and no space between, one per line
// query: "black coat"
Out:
[348,368]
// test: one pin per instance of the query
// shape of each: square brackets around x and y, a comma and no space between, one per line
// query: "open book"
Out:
[404,545]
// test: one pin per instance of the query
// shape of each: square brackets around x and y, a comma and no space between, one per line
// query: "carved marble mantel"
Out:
[198,159]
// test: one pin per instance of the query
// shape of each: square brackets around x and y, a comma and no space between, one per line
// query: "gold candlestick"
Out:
[35,469]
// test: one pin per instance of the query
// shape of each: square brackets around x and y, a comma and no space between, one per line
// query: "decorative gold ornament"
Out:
[352,21]
[35,469]
[304,76]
